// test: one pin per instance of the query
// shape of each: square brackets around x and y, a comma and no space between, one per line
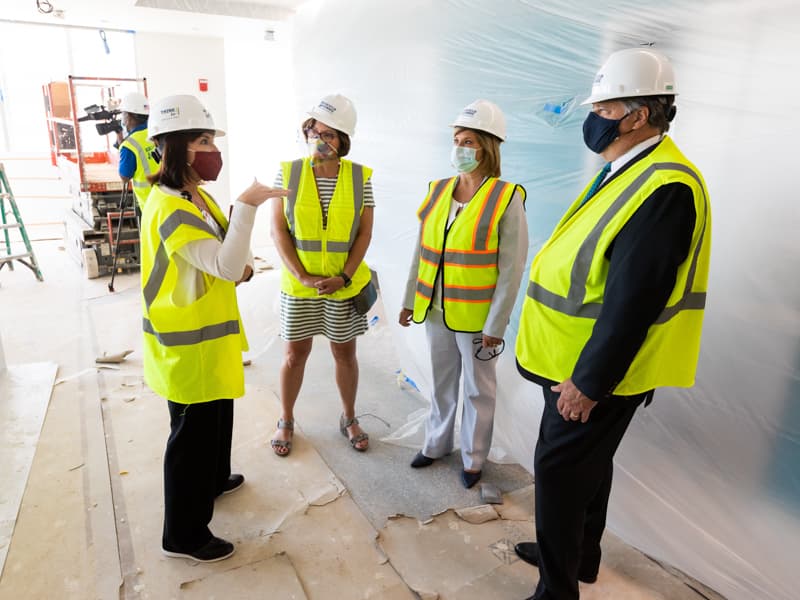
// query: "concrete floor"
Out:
[89,522]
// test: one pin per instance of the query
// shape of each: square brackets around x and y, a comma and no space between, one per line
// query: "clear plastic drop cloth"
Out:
[707,478]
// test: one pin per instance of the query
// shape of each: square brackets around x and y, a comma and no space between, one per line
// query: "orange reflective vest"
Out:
[465,256]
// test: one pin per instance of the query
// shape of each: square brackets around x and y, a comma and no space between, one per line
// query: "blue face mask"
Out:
[599,132]
[463,159]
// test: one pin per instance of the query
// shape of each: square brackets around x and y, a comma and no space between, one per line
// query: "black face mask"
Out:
[599,132]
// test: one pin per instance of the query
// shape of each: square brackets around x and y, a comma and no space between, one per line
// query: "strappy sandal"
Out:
[344,423]
[279,445]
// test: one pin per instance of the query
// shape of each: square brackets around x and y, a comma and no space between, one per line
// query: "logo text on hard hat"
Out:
[470,112]
[599,78]
[329,107]
[172,112]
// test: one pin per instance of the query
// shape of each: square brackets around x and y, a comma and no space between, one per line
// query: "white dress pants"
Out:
[453,354]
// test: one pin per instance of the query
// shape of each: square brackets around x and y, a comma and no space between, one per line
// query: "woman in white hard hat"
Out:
[322,231]
[463,283]
[191,260]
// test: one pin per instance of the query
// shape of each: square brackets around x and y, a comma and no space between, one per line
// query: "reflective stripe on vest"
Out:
[433,197]
[196,336]
[573,304]
[161,262]
[141,155]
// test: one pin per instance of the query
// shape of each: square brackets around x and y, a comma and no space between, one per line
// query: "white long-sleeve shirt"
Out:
[224,259]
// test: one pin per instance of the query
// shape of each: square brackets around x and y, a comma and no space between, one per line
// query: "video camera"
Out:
[110,123]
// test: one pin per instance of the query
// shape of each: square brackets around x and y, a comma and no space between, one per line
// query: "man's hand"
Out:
[405,317]
[572,404]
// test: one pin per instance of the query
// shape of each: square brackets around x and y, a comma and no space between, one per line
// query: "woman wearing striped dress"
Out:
[322,230]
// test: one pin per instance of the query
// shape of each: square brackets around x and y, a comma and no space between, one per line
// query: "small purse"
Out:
[364,300]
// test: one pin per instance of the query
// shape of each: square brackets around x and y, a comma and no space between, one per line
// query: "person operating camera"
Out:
[136,153]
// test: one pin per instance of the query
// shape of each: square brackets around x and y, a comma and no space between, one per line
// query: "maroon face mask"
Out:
[207,165]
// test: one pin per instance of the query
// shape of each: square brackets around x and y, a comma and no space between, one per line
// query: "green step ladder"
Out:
[27,258]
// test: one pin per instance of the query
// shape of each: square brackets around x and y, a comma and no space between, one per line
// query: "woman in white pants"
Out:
[463,282]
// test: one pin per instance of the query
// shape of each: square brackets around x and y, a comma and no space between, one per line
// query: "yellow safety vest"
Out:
[466,254]
[192,353]
[568,279]
[324,251]
[146,165]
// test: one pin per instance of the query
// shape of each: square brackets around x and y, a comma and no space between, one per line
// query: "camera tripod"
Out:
[123,201]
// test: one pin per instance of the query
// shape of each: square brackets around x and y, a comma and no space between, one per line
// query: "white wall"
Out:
[250,95]
[173,64]
[263,116]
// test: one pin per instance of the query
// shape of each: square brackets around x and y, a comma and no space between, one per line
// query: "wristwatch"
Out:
[347,280]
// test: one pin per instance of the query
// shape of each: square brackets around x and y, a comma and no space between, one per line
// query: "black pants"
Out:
[197,463]
[573,467]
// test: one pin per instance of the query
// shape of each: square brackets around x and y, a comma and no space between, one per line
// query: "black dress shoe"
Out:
[469,479]
[235,481]
[529,552]
[420,460]
[213,550]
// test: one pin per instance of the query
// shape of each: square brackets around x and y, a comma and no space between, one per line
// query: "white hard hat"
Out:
[483,116]
[336,111]
[135,103]
[632,73]
[179,113]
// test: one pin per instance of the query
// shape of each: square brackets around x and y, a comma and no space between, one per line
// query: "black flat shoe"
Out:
[529,552]
[469,479]
[420,460]
[213,550]
[235,481]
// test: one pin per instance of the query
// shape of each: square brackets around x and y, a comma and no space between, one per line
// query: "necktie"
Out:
[596,183]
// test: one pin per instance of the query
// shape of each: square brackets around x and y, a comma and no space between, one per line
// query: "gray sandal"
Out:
[344,423]
[283,444]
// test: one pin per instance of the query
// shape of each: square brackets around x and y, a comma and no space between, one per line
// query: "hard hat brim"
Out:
[331,124]
[502,138]
[153,136]
[603,96]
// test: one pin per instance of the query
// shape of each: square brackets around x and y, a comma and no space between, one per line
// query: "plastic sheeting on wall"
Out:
[707,478]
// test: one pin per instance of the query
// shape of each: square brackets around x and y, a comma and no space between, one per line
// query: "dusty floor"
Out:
[325,523]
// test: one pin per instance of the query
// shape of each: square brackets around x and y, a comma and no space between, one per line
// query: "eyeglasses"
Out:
[325,136]
[482,353]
